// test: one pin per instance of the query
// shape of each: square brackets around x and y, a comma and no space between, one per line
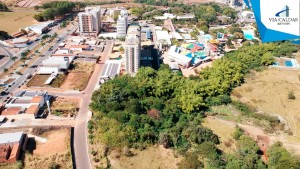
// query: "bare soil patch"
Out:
[76,81]
[79,76]
[56,150]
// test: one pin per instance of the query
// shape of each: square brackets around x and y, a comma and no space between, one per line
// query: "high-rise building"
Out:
[133,49]
[90,21]
[122,26]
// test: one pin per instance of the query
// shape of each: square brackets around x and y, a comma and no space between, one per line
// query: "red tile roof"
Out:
[33,109]
[11,111]
[36,99]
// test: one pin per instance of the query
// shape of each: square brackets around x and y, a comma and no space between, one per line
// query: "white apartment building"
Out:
[133,49]
[90,21]
[122,23]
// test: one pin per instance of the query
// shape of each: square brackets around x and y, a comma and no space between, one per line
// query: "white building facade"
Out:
[133,49]
[90,21]
[122,23]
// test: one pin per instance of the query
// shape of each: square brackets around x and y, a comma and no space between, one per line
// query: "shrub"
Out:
[291,95]
[244,108]
[54,165]
[93,152]
[237,133]
[96,160]
[190,161]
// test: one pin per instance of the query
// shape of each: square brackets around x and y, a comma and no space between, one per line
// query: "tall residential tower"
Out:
[133,49]
[122,23]
[90,21]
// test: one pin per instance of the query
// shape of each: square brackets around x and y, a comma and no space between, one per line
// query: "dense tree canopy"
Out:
[54,9]
[4,35]
[279,157]
[3,7]
[160,106]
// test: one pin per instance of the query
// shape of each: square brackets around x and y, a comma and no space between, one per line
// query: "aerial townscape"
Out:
[145,84]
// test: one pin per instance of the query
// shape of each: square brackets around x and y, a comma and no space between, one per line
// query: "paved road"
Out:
[81,133]
[30,47]
[11,62]
[21,80]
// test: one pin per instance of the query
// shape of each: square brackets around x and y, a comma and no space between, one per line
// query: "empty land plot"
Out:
[56,150]
[11,22]
[65,106]
[79,76]
[156,157]
[76,81]
[225,132]
[38,80]
[267,91]
[58,80]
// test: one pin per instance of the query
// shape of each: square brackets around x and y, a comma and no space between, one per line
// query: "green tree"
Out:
[267,59]
[281,158]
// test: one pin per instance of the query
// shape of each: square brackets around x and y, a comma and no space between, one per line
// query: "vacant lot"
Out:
[38,80]
[267,91]
[58,80]
[152,157]
[65,106]
[11,22]
[224,130]
[79,76]
[55,151]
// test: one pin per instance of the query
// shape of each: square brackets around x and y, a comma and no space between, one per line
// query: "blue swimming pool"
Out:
[288,63]
[248,35]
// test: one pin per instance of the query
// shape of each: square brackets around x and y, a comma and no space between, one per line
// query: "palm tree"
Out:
[43,44]
[5,70]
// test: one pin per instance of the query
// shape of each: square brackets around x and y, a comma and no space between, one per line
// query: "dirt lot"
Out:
[11,22]
[56,149]
[156,157]
[268,90]
[65,106]
[79,76]
[224,131]
[38,80]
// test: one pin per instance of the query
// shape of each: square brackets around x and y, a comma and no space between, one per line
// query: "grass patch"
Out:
[17,165]
[38,80]
[82,66]
[11,22]
[269,95]
[64,107]
[224,131]
[58,80]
